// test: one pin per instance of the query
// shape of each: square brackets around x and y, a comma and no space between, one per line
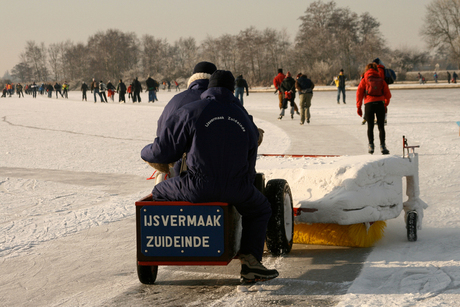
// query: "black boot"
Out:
[371,148]
[384,150]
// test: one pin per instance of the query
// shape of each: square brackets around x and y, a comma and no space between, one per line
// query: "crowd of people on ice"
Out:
[130,92]
[126,93]
[33,89]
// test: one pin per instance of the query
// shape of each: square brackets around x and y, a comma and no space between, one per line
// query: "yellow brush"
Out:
[355,235]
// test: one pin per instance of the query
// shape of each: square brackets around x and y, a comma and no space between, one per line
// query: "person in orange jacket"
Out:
[376,94]
[130,91]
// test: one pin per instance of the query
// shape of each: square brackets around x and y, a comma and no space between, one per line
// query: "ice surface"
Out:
[70,172]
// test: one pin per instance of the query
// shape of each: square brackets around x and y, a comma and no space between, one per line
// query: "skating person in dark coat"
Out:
[241,84]
[137,89]
[95,88]
[84,89]
[221,142]
[50,90]
[121,89]
[152,86]
[288,90]
[111,90]
[34,87]
[102,88]
[305,88]
[57,88]
[19,90]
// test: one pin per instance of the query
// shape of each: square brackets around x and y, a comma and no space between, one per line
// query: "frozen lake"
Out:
[70,172]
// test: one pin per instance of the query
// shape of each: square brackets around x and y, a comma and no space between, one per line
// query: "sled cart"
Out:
[183,233]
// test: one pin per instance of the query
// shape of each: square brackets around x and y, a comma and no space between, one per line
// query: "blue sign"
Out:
[182,231]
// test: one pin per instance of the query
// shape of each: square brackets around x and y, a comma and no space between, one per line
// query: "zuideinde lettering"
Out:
[177,241]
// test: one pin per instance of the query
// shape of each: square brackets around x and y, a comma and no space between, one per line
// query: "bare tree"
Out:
[209,50]
[314,41]
[441,29]
[338,37]
[152,55]
[76,59]
[35,55]
[54,60]
[113,53]
[185,57]
[22,71]
[406,58]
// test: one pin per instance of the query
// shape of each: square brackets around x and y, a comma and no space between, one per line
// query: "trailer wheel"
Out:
[280,230]
[411,225]
[147,274]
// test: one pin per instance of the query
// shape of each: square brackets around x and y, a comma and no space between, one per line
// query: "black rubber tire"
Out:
[280,230]
[411,225]
[147,274]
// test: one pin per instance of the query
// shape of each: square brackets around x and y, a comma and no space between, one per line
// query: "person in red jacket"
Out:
[277,82]
[376,94]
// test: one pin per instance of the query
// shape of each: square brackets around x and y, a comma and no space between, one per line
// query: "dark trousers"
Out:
[137,97]
[121,96]
[103,97]
[250,203]
[377,108]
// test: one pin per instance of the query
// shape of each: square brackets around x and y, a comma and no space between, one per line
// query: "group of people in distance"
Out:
[32,89]
[372,89]
[133,90]
[286,87]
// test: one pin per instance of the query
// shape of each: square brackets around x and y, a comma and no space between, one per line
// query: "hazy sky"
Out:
[54,21]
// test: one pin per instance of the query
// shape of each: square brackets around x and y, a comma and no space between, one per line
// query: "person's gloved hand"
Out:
[360,112]
[261,136]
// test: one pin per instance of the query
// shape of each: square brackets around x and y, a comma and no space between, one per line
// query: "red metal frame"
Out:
[152,263]
[298,156]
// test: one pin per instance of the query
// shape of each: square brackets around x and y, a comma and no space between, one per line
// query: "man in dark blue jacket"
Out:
[221,142]
[197,84]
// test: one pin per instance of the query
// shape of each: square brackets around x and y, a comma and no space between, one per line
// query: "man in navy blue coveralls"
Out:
[220,140]
[197,84]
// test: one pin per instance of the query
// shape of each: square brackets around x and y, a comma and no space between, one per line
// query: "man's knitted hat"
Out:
[222,78]
[205,67]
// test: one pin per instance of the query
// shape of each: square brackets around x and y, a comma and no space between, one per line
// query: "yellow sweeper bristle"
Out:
[354,235]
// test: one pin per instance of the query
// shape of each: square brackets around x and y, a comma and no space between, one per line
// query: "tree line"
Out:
[329,38]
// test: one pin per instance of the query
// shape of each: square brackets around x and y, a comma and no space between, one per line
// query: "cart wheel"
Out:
[411,225]
[147,273]
[280,230]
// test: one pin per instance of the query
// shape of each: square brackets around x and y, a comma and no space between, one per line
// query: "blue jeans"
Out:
[239,93]
[96,92]
[340,89]
[152,96]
